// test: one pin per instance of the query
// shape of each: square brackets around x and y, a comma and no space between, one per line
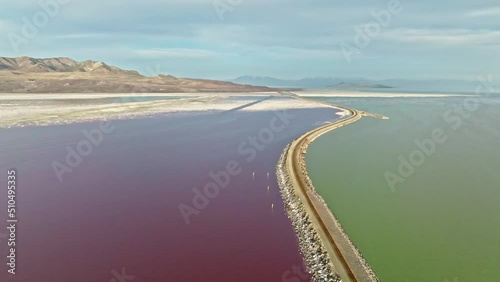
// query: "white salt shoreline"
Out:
[69,96]
[359,94]
[28,109]
[305,93]
[28,113]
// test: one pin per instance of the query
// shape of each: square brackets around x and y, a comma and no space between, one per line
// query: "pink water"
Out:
[119,208]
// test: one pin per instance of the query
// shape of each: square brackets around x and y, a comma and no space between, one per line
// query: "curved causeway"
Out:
[327,250]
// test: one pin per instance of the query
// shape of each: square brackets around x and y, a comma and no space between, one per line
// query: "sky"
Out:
[290,39]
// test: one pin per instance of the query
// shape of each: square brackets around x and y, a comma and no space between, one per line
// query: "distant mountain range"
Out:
[318,82]
[362,84]
[64,75]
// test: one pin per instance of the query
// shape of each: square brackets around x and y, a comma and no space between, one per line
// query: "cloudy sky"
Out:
[224,39]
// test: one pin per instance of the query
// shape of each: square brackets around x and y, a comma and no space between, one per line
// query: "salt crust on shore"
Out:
[43,109]
[20,109]
[69,96]
[359,94]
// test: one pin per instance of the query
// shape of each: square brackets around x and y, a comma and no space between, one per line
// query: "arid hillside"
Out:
[64,75]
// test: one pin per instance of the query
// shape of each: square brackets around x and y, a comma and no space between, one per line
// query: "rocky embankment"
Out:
[353,255]
[328,252]
[315,256]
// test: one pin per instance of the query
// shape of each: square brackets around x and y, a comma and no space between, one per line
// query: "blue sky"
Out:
[224,39]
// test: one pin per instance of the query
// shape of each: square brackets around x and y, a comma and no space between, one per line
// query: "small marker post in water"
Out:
[267,188]
[253,175]
[268,176]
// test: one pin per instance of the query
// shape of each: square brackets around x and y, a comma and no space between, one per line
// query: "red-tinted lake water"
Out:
[119,209]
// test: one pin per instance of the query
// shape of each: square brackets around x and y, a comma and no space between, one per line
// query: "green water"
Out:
[442,223]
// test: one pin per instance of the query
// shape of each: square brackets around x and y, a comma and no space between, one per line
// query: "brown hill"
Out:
[64,75]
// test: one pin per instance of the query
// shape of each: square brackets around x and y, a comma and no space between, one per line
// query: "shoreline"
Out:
[360,94]
[179,154]
[311,216]
[71,96]
[46,111]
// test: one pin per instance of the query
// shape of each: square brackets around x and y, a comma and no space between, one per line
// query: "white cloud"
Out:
[82,36]
[262,35]
[495,11]
[446,37]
